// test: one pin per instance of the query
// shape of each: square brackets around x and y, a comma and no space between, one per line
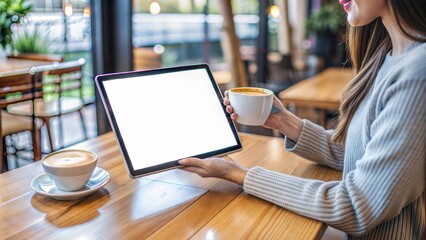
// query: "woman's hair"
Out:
[368,46]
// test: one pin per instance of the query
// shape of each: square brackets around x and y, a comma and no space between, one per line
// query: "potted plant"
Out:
[27,41]
[326,25]
[11,12]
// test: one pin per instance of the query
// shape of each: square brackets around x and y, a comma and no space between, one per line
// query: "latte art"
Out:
[68,159]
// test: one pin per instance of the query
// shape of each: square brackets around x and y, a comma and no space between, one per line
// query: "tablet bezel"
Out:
[100,79]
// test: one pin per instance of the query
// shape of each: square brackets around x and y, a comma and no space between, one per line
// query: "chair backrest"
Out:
[20,86]
[65,78]
[16,87]
[39,57]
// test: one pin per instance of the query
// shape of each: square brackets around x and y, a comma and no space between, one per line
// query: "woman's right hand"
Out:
[229,108]
[283,121]
[274,120]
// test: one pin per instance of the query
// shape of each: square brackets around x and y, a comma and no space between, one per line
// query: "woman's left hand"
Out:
[225,168]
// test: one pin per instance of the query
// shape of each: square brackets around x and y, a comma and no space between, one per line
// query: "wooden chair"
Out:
[69,75]
[58,80]
[38,57]
[16,89]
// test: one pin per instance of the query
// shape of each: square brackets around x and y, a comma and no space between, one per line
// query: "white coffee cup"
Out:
[252,105]
[70,170]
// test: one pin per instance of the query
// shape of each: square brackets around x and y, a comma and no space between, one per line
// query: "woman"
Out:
[379,143]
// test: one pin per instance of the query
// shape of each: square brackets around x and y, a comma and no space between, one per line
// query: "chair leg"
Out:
[3,160]
[49,133]
[61,132]
[36,144]
[6,164]
[3,163]
[83,124]
[2,151]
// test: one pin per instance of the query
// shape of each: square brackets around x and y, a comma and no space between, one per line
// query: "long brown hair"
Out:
[368,46]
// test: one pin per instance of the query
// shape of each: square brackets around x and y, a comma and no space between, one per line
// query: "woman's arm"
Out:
[303,138]
[316,144]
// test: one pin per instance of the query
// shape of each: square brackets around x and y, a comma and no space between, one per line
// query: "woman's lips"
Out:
[346,4]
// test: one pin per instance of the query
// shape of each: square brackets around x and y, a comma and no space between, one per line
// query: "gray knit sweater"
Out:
[382,192]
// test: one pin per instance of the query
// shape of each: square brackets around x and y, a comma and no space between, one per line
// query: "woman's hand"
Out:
[225,168]
[274,121]
[283,121]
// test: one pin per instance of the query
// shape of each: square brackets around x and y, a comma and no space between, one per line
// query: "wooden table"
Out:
[321,92]
[13,64]
[169,205]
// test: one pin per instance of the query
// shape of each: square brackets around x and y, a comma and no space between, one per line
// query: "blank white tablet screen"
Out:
[169,116]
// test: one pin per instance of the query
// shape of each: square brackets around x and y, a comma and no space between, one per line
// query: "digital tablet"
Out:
[163,115]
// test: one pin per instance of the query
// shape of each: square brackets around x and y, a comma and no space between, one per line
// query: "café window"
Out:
[178,32]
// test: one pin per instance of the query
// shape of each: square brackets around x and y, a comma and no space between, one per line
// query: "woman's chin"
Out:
[356,21]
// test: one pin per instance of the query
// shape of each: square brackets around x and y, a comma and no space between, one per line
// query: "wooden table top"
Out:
[169,205]
[13,64]
[324,90]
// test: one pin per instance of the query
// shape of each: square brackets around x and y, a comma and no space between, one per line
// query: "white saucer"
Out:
[44,186]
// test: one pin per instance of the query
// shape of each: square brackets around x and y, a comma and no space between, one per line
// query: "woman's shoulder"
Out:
[405,75]
[413,66]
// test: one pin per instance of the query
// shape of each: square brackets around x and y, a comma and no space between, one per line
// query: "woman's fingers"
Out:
[226,102]
[194,165]
[226,99]
[224,168]
[192,162]
[278,104]
[200,171]
[234,116]
[229,109]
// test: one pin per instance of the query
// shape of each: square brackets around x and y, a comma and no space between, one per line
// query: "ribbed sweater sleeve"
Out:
[316,145]
[388,177]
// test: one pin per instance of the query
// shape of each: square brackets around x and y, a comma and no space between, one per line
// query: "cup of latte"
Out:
[70,170]
[252,105]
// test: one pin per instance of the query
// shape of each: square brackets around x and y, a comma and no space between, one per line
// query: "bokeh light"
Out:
[158,49]
[274,11]
[154,8]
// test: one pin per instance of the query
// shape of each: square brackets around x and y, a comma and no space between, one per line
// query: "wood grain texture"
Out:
[169,205]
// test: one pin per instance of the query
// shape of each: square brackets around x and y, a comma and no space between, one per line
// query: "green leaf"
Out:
[30,42]
[9,9]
